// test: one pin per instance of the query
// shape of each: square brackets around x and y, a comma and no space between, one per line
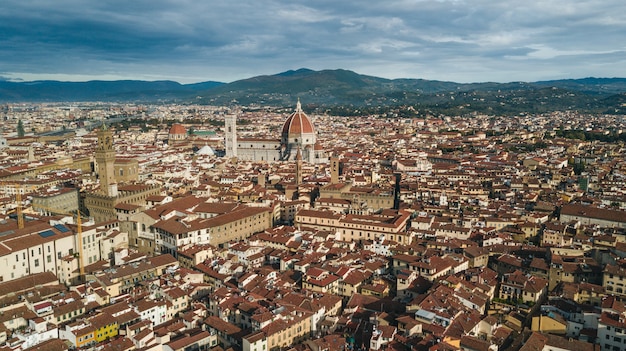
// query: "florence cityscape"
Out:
[407,175]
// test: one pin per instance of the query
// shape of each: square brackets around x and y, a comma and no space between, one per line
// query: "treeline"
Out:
[610,137]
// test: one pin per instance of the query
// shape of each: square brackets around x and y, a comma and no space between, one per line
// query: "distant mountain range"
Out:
[96,90]
[343,88]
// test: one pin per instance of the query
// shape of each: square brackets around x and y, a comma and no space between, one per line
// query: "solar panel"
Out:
[61,228]
[46,233]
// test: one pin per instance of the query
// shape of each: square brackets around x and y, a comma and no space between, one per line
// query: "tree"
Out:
[579,167]
[20,129]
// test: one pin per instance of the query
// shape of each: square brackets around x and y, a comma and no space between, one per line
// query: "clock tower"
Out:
[105,160]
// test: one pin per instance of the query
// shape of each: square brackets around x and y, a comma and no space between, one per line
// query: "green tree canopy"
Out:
[20,129]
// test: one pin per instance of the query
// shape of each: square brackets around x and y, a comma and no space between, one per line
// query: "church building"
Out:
[297,134]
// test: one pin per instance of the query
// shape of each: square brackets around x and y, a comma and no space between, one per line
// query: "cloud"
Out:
[196,40]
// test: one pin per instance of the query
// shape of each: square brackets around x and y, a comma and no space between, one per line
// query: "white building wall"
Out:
[156,315]
[258,150]
[35,338]
[38,258]
[611,339]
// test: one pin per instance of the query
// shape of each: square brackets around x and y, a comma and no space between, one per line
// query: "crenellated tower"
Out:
[105,161]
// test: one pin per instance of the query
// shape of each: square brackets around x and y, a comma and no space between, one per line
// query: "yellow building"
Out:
[552,323]
[320,280]
[614,281]
[352,282]
[84,336]
[288,330]
[106,327]
[584,293]
[90,331]
[378,289]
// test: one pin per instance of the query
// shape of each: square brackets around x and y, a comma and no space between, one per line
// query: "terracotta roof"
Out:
[594,212]
[298,123]
[177,129]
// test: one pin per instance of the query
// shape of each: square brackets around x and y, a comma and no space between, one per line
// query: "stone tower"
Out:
[334,170]
[105,159]
[298,167]
[230,135]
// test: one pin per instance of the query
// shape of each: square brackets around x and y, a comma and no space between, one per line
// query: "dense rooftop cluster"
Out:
[482,233]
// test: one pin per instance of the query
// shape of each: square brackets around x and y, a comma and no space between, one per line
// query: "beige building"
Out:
[603,217]
[288,330]
[351,227]
[478,256]
[614,281]
[372,198]
[320,280]
[143,238]
[62,201]
[573,269]
[175,231]
[517,286]
[126,170]
[122,279]
[193,255]
[102,207]
[553,324]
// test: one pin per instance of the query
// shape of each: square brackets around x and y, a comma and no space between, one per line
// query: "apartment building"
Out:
[521,287]
[122,279]
[614,281]
[604,217]
[237,225]
[352,227]
[90,331]
[39,247]
[612,331]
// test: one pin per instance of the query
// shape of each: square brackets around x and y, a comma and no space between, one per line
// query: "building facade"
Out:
[297,133]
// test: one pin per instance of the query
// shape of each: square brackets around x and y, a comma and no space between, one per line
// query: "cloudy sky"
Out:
[226,40]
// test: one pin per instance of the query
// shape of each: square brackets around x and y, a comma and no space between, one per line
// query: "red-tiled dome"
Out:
[177,129]
[298,123]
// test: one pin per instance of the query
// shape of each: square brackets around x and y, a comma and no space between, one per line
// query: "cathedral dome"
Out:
[297,123]
[177,129]
[177,133]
